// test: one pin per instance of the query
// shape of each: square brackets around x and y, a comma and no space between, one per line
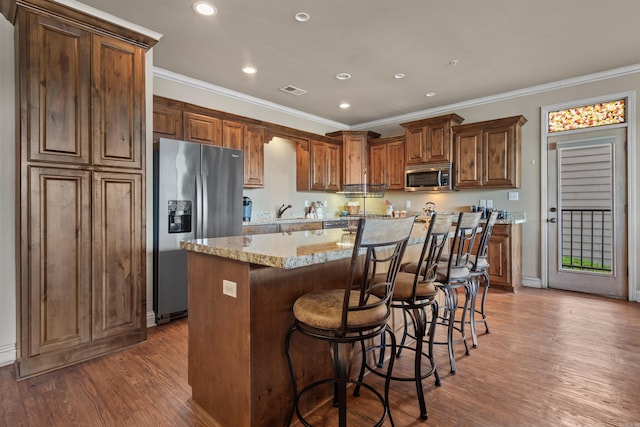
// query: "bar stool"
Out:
[414,293]
[480,272]
[453,276]
[343,317]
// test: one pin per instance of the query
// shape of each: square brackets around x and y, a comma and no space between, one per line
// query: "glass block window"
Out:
[604,113]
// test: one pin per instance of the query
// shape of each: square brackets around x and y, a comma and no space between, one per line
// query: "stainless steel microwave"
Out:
[432,177]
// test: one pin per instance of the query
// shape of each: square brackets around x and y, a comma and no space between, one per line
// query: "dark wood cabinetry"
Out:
[82,167]
[325,166]
[487,154]
[232,135]
[253,156]
[505,256]
[203,129]
[355,159]
[167,120]
[386,161]
[205,126]
[430,140]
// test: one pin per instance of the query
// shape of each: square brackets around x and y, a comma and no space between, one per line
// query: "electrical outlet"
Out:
[483,203]
[230,288]
[489,203]
[306,203]
[513,195]
[325,203]
[407,204]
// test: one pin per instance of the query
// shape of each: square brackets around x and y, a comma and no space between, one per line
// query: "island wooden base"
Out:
[237,364]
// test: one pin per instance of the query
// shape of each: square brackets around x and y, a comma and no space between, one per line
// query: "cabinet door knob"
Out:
[552,220]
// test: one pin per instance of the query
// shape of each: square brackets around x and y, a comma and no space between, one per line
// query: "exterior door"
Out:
[587,212]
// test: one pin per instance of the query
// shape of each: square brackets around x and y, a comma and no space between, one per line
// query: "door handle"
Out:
[552,220]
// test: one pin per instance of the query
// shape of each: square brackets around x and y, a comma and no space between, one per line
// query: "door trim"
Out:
[632,208]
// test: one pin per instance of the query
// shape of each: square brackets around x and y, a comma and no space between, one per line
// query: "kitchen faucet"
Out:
[281,210]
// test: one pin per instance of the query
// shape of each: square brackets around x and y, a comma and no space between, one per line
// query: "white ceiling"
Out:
[501,46]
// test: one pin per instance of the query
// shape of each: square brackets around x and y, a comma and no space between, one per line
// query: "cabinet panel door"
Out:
[318,165]
[333,168]
[56,71]
[498,255]
[59,260]
[416,146]
[395,165]
[467,162]
[118,103]
[118,253]
[253,157]
[303,163]
[167,122]
[232,135]
[438,143]
[202,129]
[377,164]
[500,158]
[354,150]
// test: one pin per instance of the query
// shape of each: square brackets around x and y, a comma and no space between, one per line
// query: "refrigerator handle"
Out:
[205,209]
[199,207]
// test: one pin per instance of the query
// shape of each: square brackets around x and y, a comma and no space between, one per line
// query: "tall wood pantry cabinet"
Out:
[81,162]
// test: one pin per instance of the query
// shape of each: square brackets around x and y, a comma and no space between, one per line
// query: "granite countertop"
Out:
[287,250]
[512,218]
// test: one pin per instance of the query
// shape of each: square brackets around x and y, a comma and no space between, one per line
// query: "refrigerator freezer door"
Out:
[176,215]
[223,175]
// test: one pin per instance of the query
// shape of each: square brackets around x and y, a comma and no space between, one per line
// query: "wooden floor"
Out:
[553,358]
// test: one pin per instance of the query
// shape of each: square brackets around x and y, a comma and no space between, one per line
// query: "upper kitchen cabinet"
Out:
[487,154]
[202,128]
[81,132]
[167,119]
[253,156]
[325,166]
[232,135]
[317,165]
[355,149]
[430,140]
[118,97]
[386,162]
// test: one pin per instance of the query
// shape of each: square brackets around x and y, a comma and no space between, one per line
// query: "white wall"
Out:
[7,195]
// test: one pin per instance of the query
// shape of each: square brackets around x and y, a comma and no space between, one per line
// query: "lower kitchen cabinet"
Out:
[505,257]
[82,276]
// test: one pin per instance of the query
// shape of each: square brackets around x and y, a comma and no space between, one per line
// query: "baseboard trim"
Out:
[532,282]
[151,319]
[7,354]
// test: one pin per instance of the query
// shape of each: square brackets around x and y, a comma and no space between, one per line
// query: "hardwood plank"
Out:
[552,358]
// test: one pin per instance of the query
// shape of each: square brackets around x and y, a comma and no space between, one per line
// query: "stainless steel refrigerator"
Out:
[197,194]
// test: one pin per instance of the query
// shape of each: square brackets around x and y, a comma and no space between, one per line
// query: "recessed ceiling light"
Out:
[302,16]
[454,62]
[399,76]
[204,8]
[430,94]
[345,105]
[343,76]
[249,70]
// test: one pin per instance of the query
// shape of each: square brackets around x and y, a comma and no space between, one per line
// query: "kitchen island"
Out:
[241,293]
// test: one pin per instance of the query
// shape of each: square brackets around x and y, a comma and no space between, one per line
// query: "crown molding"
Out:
[81,7]
[589,78]
[218,90]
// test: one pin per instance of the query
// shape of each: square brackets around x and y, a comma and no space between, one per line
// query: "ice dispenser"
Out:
[179,216]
